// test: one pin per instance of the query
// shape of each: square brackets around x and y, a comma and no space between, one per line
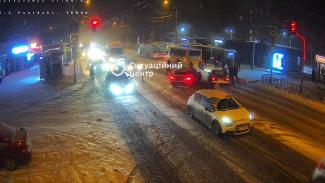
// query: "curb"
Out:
[318,106]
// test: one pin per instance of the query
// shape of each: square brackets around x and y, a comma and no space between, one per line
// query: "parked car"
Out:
[183,77]
[15,146]
[319,173]
[220,111]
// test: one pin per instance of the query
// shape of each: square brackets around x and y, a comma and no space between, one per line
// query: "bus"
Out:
[188,56]
[114,49]
[153,50]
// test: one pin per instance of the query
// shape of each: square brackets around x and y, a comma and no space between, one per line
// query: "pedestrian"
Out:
[231,74]
[236,70]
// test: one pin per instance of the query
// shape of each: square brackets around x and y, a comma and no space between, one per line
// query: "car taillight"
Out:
[171,77]
[188,79]
[213,78]
[320,166]
[227,78]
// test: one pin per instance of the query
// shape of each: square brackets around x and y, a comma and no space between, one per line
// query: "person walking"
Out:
[231,73]
[236,70]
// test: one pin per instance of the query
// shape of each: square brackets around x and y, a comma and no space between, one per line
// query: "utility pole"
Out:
[273,34]
[176,26]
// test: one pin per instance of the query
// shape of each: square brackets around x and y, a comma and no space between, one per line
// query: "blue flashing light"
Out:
[19,49]
[29,56]
[277,60]
[184,39]
[182,29]
[231,54]
[230,30]
[218,41]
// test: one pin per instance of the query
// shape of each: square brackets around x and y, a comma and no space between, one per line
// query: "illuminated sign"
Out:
[277,60]
[320,58]
[19,49]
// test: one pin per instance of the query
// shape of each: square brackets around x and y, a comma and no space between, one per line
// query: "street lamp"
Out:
[87,2]
[166,2]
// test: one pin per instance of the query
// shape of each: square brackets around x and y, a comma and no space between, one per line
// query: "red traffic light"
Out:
[293,27]
[95,22]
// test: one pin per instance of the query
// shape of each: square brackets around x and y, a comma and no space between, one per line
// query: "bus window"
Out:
[177,52]
[194,53]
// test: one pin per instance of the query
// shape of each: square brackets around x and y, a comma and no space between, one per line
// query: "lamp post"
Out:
[166,4]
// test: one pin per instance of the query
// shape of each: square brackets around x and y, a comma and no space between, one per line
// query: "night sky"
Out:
[206,17]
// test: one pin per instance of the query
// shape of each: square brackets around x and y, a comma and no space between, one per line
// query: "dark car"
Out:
[15,146]
[215,76]
[119,84]
[183,77]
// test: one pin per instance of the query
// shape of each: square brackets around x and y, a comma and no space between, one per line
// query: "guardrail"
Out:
[276,80]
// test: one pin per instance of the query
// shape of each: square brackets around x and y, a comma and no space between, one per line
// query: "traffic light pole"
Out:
[303,39]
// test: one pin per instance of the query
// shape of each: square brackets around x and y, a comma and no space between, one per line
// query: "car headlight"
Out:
[251,116]
[129,88]
[226,121]
[115,89]
[95,53]
[106,67]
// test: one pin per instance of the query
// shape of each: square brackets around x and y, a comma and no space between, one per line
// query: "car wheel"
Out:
[250,130]
[190,111]
[10,163]
[216,128]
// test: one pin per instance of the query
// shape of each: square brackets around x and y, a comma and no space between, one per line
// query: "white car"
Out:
[319,173]
[219,111]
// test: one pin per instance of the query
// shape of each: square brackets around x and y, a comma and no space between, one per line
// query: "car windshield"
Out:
[115,78]
[225,104]
[184,71]
[115,51]
[220,72]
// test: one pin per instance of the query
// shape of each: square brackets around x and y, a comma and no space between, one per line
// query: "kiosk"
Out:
[51,67]
[320,71]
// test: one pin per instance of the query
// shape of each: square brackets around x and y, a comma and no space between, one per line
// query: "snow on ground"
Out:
[73,138]
[297,141]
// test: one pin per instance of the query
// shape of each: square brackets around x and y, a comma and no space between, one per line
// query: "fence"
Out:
[276,80]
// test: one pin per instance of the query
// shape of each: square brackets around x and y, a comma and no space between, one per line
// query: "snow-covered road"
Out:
[79,134]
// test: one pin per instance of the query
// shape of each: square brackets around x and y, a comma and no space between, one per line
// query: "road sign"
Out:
[74,37]
[273,30]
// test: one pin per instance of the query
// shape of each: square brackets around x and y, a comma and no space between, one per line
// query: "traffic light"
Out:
[95,22]
[291,26]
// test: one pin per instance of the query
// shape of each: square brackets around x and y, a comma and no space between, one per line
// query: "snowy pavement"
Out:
[73,140]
